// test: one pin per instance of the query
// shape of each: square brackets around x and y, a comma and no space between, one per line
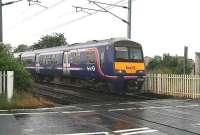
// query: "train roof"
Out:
[91,43]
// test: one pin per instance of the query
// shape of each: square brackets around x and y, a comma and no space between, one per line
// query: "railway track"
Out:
[60,95]
[74,94]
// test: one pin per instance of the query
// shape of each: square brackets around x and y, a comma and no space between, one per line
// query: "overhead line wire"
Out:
[71,11]
[80,18]
[36,14]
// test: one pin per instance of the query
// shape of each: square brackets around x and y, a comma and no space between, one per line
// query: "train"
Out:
[117,63]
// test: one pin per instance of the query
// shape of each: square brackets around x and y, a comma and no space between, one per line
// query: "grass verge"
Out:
[24,100]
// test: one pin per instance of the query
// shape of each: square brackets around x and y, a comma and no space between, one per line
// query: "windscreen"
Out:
[128,53]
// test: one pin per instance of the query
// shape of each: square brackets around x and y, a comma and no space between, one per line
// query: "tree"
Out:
[57,39]
[21,48]
[22,78]
[168,64]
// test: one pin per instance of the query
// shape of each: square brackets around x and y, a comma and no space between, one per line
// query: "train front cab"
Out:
[129,66]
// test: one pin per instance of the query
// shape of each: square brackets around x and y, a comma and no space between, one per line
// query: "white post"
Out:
[10,84]
[1,90]
[4,82]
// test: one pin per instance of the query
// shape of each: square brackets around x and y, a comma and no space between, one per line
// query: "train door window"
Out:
[65,57]
[102,57]
[77,58]
[36,58]
[70,57]
[90,57]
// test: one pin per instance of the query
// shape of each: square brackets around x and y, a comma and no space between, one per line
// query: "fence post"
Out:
[1,84]
[10,84]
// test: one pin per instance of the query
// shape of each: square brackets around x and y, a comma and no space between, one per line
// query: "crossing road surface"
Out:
[152,117]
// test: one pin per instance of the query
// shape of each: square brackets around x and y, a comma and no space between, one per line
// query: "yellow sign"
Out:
[129,67]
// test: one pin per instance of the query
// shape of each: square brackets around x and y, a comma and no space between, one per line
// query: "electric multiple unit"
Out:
[117,62]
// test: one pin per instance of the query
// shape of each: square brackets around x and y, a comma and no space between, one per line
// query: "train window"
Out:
[28,60]
[74,57]
[121,53]
[90,57]
[51,59]
[135,53]
[77,59]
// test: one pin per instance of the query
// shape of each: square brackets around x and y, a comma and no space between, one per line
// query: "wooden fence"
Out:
[175,85]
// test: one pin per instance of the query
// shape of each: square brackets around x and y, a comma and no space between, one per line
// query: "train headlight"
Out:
[141,72]
[120,72]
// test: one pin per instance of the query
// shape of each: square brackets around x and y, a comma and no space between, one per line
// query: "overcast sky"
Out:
[161,26]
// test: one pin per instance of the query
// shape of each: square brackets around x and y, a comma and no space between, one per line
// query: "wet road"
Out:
[152,117]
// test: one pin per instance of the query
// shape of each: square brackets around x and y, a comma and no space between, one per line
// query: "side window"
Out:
[28,60]
[90,57]
[50,59]
[74,57]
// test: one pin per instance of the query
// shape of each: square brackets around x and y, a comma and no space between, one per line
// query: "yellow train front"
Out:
[128,66]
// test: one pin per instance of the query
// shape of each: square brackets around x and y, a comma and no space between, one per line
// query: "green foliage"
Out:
[57,39]
[168,64]
[4,104]
[21,48]
[22,78]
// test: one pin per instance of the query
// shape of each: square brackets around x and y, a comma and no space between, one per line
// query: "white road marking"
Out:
[154,107]
[35,113]
[129,103]
[88,111]
[122,132]
[3,110]
[69,112]
[182,106]
[38,113]
[176,111]
[113,110]
[96,105]
[108,104]
[140,132]
[7,114]
[129,109]
[28,130]
[128,130]
[94,133]
[197,124]
[50,108]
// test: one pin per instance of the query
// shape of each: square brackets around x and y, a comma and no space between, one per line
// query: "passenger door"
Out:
[102,59]
[37,64]
[66,64]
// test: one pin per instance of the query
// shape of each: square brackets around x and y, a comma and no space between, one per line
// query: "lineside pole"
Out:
[1,23]
[129,19]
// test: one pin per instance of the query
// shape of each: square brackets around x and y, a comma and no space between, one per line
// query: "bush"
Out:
[22,78]
[24,100]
